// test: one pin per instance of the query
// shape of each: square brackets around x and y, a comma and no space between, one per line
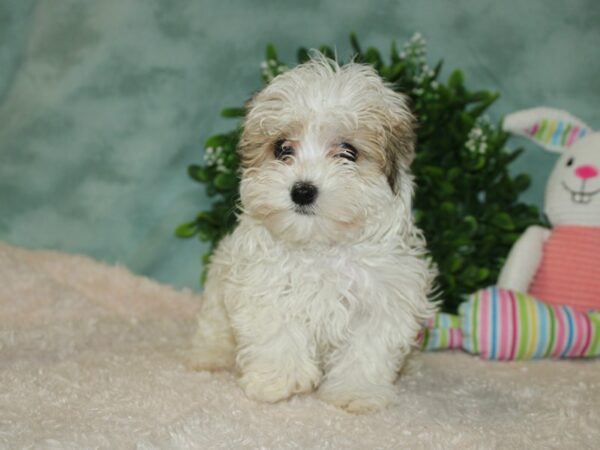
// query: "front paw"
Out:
[272,384]
[357,399]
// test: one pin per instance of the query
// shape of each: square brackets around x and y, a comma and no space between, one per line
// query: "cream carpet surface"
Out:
[91,357]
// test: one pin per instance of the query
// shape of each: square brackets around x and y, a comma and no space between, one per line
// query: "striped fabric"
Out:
[441,338]
[443,320]
[552,128]
[560,278]
[556,132]
[506,325]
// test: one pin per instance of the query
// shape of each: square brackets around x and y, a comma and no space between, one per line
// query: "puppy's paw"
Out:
[274,384]
[357,399]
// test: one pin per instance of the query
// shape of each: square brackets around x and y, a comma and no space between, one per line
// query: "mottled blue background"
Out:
[103,104]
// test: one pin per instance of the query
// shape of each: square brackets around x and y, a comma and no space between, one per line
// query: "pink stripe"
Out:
[533,129]
[573,135]
[457,337]
[485,324]
[561,336]
[513,304]
[504,325]
[587,336]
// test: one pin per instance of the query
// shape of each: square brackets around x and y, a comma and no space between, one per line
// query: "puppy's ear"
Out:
[251,139]
[400,129]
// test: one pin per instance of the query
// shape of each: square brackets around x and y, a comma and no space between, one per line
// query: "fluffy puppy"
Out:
[324,283]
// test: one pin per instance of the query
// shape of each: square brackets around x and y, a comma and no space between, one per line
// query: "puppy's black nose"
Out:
[304,193]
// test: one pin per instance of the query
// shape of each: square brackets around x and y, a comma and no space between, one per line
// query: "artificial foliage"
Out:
[467,201]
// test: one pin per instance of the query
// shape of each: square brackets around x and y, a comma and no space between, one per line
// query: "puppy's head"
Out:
[325,153]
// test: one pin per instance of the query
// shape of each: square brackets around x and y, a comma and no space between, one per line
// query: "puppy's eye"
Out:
[570,162]
[348,152]
[283,149]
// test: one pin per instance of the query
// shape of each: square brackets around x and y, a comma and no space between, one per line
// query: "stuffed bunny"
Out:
[547,299]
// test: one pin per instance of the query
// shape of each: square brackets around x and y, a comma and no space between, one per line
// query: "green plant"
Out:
[467,202]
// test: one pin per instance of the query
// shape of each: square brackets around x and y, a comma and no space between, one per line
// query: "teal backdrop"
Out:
[103,104]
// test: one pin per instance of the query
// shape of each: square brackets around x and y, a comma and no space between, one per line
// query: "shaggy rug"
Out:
[90,357]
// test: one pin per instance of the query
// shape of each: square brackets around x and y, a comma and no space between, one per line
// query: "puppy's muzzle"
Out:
[304,193]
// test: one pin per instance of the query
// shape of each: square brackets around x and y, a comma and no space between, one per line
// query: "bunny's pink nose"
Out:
[586,172]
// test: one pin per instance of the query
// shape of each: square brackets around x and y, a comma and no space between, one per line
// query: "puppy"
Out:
[324,283]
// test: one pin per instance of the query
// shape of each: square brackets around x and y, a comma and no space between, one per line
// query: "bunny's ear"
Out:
[551,128]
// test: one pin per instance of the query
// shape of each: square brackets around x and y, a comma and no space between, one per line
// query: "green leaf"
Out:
[483,274]
[206,216]
[456,263]
[456,79]
[437,69]
[470,224]
[373,57]
[522,182]
[205,236]
[198,173]
[354,43]
[394,55]
[186,230]
[271,53]
[503,221]
[448,208]
[225,181]
[327,51]
[233,112]
[302,55]
[215,141]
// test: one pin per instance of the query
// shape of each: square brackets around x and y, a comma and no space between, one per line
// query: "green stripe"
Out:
[443,335]
[565,135]
[595,320]
[552,334]
[540,132]
[551,129]
[454,321]
[523,335]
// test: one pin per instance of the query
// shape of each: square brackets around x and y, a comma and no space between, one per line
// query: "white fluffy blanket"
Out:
[89,358]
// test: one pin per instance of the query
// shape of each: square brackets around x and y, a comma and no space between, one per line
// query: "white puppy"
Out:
[324,283]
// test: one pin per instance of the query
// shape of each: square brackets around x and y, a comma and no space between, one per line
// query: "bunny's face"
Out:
[573,189]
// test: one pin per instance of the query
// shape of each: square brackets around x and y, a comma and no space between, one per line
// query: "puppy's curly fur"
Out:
[325,282]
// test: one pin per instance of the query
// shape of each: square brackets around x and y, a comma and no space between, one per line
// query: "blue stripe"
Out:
[559,129]
[569,316]
[543,330]
[494,321]
[434,339]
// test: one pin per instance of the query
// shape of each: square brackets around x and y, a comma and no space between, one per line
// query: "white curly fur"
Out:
[330,296]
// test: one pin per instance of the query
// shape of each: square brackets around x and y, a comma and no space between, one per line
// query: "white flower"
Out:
[415,48]
[477,140]
[214,156]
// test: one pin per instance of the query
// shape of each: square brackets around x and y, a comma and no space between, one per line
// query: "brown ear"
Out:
[400,148]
